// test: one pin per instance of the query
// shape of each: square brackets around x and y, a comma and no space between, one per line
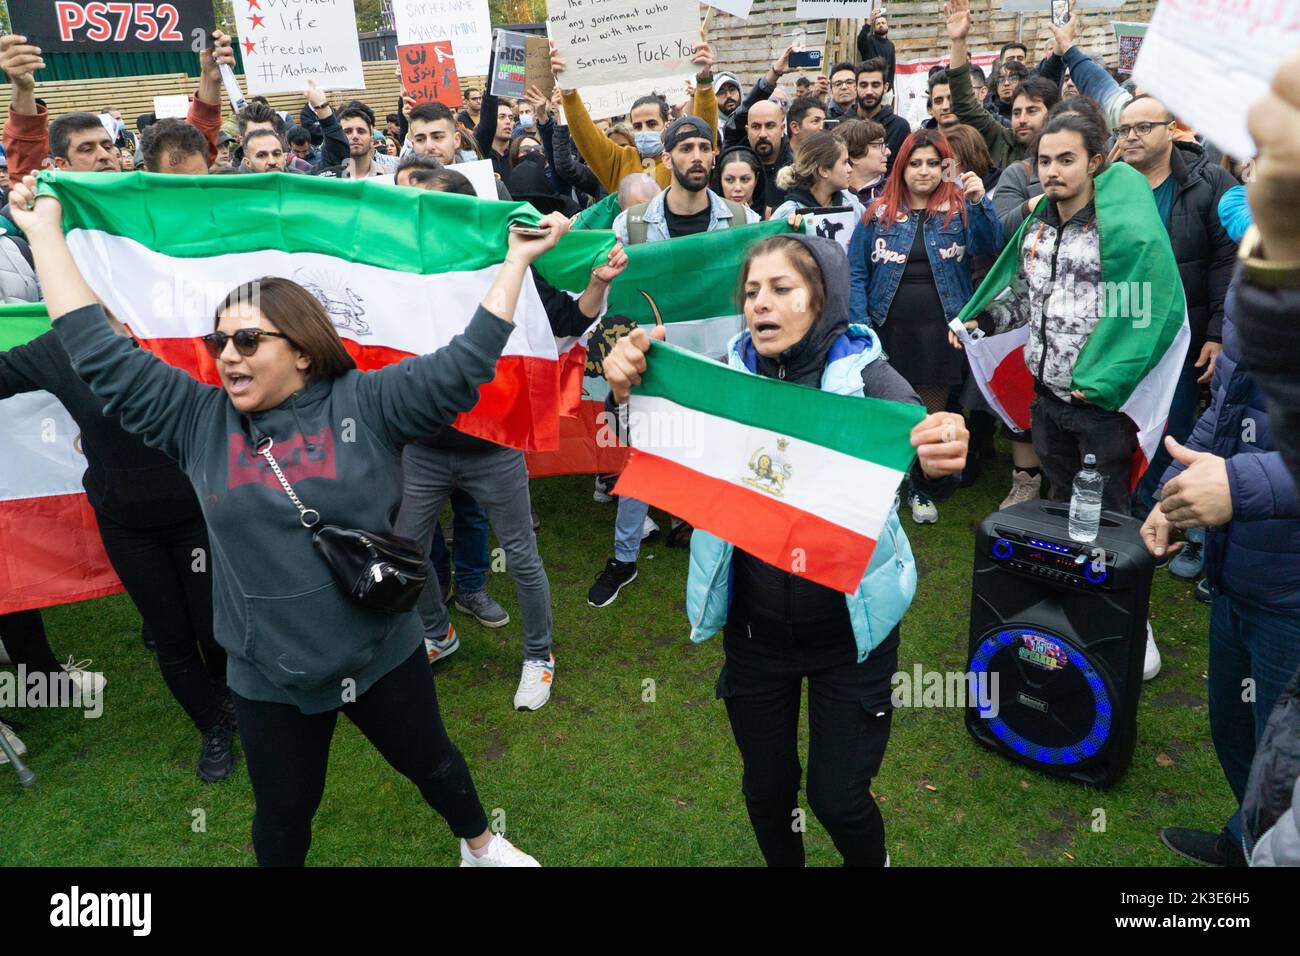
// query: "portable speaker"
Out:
[1058,633]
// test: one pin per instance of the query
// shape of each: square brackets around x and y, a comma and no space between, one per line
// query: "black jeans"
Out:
[287,752]
[23,634]
[1064,433]
[167,573]
[848,722]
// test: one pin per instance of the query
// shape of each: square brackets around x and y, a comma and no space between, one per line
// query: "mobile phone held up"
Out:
[530,232]
[800,59]
[1060,12]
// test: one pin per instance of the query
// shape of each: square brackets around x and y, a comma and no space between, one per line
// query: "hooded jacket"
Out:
[291,633]
[847,359]
[797,198]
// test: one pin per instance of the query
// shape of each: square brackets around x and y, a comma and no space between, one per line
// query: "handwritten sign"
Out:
[285,43]
[83,26]
[173,106]
[834,9]
[466,23]
[615,99]
[1195,47]
[429,73]
[613,41]
[509,67]
[537,64]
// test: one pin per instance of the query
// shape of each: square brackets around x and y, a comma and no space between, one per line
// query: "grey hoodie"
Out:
[290,633]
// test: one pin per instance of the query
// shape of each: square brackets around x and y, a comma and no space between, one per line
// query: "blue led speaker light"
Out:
[1092,741]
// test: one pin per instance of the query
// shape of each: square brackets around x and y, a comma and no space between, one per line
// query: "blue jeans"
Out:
[627,528]
[1246,642]
[469,546]
[1182,417]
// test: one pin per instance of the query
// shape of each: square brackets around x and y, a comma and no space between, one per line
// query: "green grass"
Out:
[599,777]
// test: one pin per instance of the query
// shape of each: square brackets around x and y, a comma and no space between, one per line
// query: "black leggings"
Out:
[287,752]
[23,634]
[167,573]
[848,723]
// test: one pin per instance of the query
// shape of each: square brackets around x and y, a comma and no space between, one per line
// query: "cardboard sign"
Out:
[1128,41]
[615,99]
[466,23]
[509,66]
[834,9]
[169,107]
[537,64]
[614,41]
[84,26]
[429,73]
[1195,49]
[286,43]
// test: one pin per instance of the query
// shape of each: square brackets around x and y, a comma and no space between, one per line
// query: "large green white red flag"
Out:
[801,478]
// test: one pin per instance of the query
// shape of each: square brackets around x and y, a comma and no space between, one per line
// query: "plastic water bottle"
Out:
[1085,501]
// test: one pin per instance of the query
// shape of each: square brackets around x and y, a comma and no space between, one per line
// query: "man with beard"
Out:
[764,129]
[263,151]
[726,88]
[1029,103]
[685,208]
[872,87]
[873,41]
[844,92]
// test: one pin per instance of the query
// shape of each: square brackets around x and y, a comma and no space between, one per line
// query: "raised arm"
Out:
[160,403]
[418,397]
[26,131]
[334,145]
[205,108]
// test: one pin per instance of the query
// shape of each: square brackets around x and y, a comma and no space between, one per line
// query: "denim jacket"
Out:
[657,223]
[886,590]
[878,254]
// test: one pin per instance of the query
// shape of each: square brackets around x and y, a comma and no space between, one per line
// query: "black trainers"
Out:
[1202,846]
[617,575]
[227,704]
[1203,591]
[217,758]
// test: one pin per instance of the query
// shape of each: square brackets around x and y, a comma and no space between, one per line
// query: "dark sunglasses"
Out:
[246,341]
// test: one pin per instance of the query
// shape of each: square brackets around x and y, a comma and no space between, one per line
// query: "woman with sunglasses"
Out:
[300,650]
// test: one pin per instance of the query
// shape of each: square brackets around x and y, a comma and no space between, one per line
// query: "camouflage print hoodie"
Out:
[1057,292]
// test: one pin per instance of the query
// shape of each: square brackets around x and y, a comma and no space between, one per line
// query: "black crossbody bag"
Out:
[381,572]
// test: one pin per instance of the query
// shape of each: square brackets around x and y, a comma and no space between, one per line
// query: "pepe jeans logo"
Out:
[341,304]
[770,470]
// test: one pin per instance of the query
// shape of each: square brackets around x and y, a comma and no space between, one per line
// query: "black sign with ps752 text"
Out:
[83,26]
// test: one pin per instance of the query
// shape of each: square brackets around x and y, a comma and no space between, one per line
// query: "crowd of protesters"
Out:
[1008,157]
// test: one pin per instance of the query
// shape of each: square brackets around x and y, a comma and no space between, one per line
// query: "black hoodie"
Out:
[765,594]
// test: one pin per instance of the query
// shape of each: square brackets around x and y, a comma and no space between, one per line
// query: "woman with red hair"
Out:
[909,260]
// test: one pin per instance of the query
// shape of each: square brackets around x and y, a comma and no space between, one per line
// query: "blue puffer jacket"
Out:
[886,590]
[1256,556]
[878,253]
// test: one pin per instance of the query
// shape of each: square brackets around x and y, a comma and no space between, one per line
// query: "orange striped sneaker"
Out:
[535,684]
[437,650]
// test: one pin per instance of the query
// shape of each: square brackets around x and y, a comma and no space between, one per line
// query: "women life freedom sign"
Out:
[611,41]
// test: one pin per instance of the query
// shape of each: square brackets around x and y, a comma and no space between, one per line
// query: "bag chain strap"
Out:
[265,451]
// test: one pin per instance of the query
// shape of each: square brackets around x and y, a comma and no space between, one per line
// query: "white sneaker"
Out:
[500,852]
[91,683]
[437,650]
[648,527]
[535,684]
[20,748]
[924,511]
[1151,666]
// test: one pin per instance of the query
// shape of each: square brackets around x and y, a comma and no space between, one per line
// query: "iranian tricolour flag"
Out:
[801,478]
[1133,358]
[50,552]
[400,272]
[690,285]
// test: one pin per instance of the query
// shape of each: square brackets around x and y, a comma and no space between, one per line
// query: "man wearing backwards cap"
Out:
[686,207]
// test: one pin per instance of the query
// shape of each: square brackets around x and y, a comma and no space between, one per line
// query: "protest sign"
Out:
[82,26]
[833,9]
[508,65]
[737,8]
[481,176]
[175,106]
[1128,41]
[1196,49]
[835,223]
[294,41]
[429,73]
[1044,7]
[911,86]
[466,23]
[615,99]
[537,64]
[613,41]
